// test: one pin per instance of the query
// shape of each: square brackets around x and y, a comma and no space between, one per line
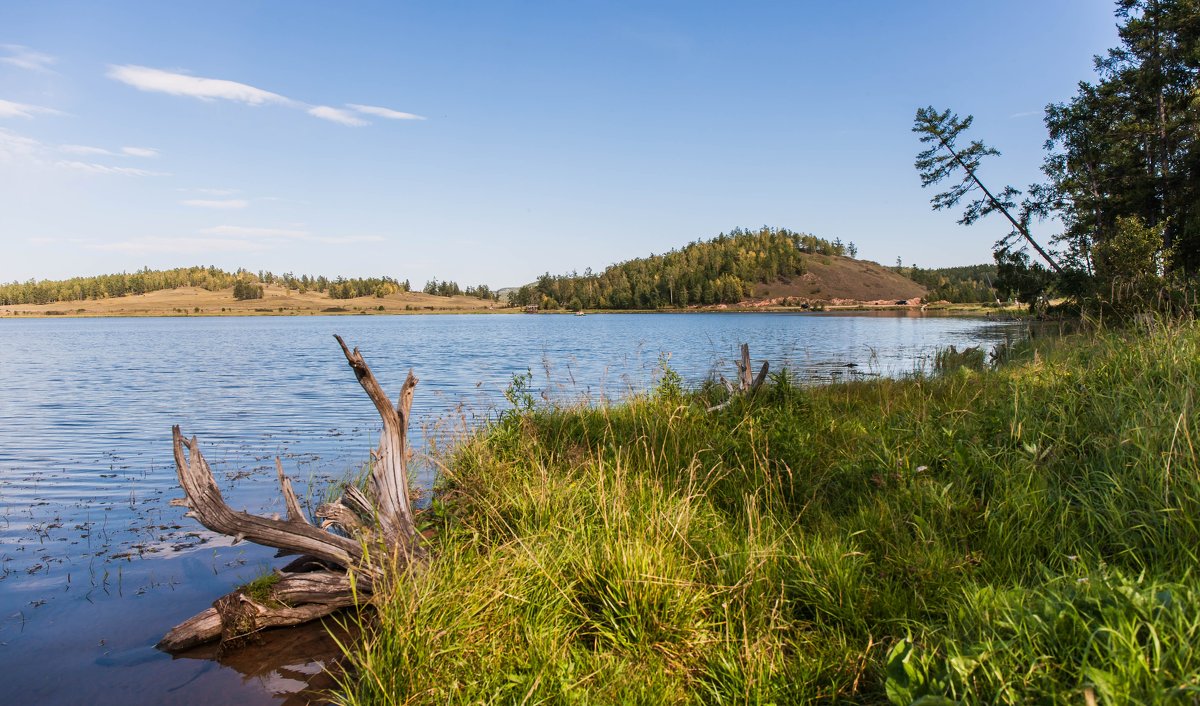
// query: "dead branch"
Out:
[374,531]
[746,384]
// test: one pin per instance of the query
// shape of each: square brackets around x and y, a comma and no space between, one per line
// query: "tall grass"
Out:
[1022,535]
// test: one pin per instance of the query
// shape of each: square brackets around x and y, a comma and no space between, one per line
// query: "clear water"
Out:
[95,566]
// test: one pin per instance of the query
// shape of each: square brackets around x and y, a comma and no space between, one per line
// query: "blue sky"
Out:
[488,142]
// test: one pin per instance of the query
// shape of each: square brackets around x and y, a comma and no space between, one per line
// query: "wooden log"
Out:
[294,599]
[376,532]
[193,632]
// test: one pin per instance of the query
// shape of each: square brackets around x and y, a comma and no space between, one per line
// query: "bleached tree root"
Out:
[373,532]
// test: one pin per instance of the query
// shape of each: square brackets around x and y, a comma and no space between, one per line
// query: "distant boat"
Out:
[580,313]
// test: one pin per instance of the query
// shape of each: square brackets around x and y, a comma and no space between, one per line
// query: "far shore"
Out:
[280,301]
[59,311]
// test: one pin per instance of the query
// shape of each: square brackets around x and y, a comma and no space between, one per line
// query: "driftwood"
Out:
[747,385]
[362,536]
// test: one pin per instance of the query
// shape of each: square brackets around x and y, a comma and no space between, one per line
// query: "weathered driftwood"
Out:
[747,385]
[372,532]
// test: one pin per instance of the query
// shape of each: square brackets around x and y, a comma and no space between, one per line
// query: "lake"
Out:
[95,566]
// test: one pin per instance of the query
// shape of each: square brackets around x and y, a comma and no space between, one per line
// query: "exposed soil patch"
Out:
[830,278]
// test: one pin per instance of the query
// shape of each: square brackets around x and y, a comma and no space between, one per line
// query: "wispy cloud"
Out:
[9,109]
[347,239]
[176,84]
[252,232]
[1024,114]
[281,235]
[93,168]
[219,204]
[86,150]
[140,151]
[178,246]
[26,58]
[337,115]
[388,113]
[102,152]
[13,145]
[210,192]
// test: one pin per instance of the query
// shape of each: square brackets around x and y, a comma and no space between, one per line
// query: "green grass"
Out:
[1025,535]
[259,589]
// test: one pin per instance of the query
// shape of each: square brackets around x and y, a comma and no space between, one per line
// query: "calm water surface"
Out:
[95,566]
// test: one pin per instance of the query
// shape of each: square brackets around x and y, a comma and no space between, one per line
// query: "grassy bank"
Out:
[1026,535]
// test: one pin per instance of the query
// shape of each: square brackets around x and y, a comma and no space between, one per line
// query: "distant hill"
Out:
[742,268]
[766,267]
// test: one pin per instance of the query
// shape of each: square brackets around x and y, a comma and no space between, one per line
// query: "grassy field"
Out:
[1025,535]
[277,301]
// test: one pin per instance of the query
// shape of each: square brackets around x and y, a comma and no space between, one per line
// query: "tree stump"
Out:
[361,538]
[748,383]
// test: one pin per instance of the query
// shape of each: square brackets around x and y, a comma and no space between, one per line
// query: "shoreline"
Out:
[7,313]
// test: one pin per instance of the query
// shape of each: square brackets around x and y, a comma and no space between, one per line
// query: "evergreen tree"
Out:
[1123,162]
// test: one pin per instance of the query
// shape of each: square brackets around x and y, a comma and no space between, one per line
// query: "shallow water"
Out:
[95,566]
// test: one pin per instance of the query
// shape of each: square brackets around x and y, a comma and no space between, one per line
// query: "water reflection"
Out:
[295,664]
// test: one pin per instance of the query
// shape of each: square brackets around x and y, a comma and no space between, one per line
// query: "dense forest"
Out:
[1122,174]
[722,270]
[958,285]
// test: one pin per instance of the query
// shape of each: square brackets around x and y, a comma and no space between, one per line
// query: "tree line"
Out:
[246,285]
[339,287]
[118,285]
[722,270]
[957,285]
[450,288]
[1121,173]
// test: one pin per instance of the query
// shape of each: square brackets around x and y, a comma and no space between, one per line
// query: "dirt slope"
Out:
[830,278]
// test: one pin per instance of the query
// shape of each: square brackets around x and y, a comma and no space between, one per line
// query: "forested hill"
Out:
[724,270]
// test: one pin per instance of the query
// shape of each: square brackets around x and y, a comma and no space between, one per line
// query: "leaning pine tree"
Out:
[363,536]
